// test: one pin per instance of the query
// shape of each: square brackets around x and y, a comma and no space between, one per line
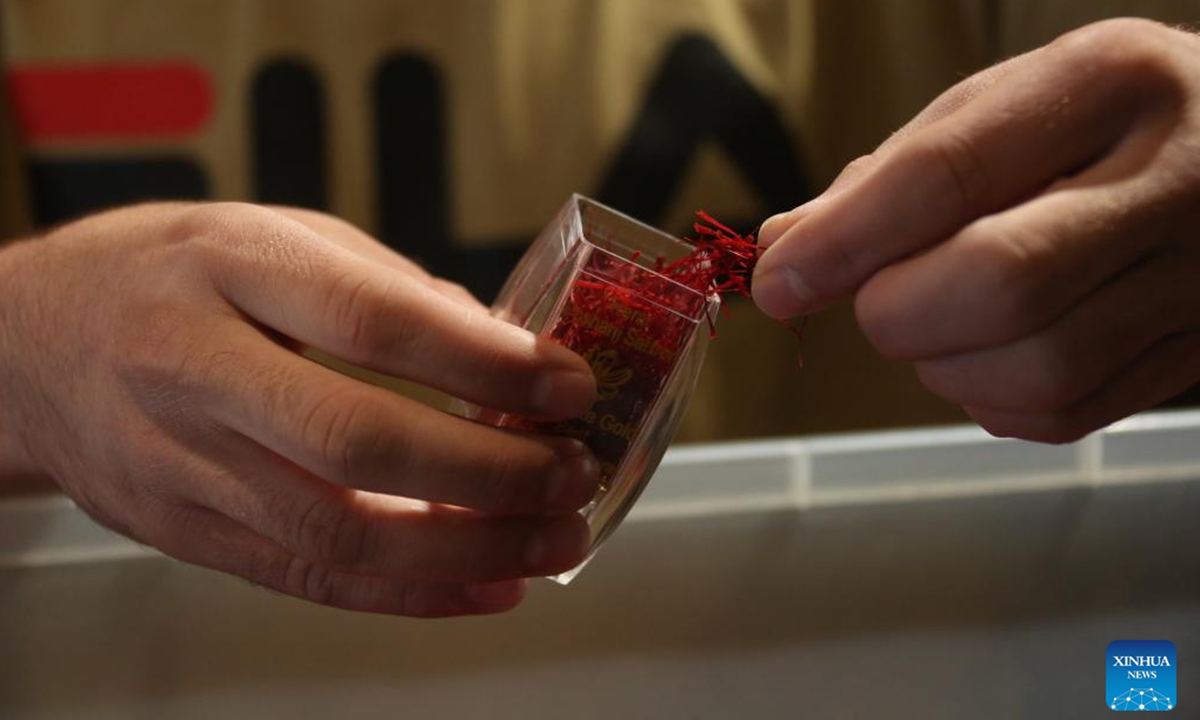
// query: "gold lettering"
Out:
[611,424]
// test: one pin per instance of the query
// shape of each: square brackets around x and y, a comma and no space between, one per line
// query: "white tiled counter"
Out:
[917,574]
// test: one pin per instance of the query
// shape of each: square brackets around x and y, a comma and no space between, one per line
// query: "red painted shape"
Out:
[110,100]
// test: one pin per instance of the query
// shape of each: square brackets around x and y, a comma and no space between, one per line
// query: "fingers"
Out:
[355,240]
[1011,141]
[1008,275]
[1076,355]
[1165,370]
[220,543]
[364,533]
[378,534]
[774,227]
[944,105]
[365,437]
[334,300]
[1023,238]
[958,96]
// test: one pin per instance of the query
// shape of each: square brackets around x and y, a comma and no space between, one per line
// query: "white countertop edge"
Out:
[773,474]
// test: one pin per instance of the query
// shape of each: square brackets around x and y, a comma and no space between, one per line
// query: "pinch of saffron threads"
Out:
[721,252]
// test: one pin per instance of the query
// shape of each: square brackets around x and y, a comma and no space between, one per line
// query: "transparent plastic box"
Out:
[591,282]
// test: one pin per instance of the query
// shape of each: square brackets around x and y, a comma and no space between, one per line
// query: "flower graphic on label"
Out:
[609,377]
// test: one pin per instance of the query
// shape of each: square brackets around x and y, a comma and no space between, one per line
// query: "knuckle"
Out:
[1009,263]
[962,167]
[222,236]
[1056,376]
[303,214]
[214,225]
[331,534]
[1134,54]
[502,479]
[450,286]
[359,313]
[1099,39]
[854,169]
[344,432]
[860,164]
[454,290]
[309,581]
[1051,384]
[1091,43]
[331,227]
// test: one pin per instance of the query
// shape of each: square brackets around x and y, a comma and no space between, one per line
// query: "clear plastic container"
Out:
[589,281]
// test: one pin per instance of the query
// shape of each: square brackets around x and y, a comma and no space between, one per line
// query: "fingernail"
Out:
[564,393]
[782,293]
[574,479]
[771,230]
[775,226]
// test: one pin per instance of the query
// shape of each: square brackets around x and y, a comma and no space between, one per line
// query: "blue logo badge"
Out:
[1141,675]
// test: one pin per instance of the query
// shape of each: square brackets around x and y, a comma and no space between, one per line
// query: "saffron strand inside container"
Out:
[640,307]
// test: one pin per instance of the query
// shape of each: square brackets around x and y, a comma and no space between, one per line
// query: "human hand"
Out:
[149,363]
[1029,240]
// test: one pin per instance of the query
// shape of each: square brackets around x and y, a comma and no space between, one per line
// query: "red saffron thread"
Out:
[723,262]
[631,325]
